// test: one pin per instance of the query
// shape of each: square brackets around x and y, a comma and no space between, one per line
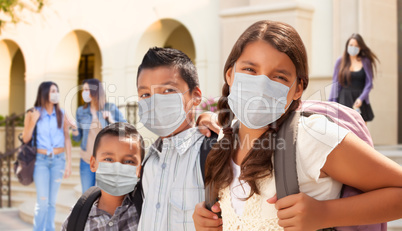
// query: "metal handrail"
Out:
[7,157]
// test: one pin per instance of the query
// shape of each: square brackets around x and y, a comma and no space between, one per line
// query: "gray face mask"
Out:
[162,114]
[353,51]
[115,178]
[54,97]
[256,100]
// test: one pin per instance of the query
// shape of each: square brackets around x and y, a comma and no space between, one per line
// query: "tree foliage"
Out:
[10,9]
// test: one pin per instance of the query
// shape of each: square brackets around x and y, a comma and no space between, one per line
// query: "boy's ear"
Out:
[299,90]
[229,76]
[93,164]
[196,95]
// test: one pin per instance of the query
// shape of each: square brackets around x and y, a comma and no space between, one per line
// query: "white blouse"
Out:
[316,139]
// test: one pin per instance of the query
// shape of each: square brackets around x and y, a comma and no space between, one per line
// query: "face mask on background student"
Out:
[353,51]
[86,96]
[54,97]
[115,178]
[257,100]
[162,114]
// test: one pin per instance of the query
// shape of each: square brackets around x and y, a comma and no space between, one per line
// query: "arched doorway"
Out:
[12,77]
[77,57]
[167,33]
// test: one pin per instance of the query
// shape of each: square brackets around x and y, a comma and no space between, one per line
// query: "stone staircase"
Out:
[24,197]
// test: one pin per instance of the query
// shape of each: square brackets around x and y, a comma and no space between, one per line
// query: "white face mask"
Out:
[162,114]
[353,51]
[54,97]
[86,96]
[115,178]
[257,100]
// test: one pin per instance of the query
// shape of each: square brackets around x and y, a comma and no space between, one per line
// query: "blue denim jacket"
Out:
[84,120]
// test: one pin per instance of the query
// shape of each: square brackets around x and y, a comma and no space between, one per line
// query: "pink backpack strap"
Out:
[341,115]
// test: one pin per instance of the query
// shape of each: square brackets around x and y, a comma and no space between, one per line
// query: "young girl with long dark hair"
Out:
[353,77]
[94,115]
[53,151]
[265,75]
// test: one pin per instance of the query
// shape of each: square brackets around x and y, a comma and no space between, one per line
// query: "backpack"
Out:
[80,211]
[24,166]
[286,178]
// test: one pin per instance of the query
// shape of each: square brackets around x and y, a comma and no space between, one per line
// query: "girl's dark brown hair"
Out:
[97,93]
[42,98]
[344,68]
[258,162]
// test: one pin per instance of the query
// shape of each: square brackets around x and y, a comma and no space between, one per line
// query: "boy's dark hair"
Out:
[119,129]
[158,57]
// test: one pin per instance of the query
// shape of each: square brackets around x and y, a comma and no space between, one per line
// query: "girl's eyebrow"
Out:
[249,63]
[283,71]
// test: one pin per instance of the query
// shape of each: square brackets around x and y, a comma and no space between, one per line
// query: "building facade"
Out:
[70,40]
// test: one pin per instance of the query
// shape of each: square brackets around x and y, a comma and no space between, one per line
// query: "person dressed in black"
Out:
[353,77]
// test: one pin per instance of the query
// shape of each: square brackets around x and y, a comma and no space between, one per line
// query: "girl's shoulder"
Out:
[81,109]
[317,130]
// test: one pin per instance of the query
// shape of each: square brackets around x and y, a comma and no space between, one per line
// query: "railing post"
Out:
[131,112]
[10,145]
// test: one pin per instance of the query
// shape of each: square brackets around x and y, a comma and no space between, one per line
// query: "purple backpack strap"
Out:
[351,120]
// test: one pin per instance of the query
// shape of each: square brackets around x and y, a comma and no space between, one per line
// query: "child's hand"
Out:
[205,220]
[67,171]
[299,212]
[35,114]
[357,104]
[108,116]
[208,121]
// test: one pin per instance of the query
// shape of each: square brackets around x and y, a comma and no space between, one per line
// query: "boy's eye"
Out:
[282,78]
[108,159]
[170,90]
[129,162]
[146,95]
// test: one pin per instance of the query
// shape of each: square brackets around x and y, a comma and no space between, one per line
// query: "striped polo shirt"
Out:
[172,183]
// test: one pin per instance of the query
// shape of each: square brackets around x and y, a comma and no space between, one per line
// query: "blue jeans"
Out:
[48,175]
[87,177]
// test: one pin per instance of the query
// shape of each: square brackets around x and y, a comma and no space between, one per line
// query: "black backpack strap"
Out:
[79,214]
[206,147]
[285,158]
[138,193]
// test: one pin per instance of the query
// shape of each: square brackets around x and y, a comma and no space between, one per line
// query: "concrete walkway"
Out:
[10,220]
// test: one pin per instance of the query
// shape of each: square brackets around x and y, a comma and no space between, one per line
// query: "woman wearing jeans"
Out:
[53,150]
[91,118]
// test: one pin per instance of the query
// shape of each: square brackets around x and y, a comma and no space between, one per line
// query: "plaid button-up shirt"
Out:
[124,218]
[172,183]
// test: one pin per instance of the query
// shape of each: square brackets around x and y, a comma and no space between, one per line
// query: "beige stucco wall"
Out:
[53,40]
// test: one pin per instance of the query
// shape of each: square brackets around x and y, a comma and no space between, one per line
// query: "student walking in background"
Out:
[91,118]
[53,150]
[353,77]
